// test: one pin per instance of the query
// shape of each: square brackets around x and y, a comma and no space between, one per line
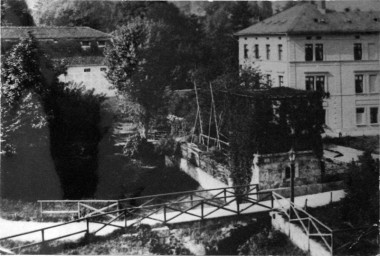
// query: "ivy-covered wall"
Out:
[271,170]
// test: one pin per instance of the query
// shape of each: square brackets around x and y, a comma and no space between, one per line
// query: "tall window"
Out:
[374,115]
[280,81]
[280,52]
[268,51]
[320,83]
[357,51]
[319,52]
[358,83]
[372,52]
[309,84]
[245,51]
[308,52]
[373,86]
[360,116]
[257,53]
[269,79]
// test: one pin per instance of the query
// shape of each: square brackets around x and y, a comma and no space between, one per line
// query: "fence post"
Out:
[191,199]
[78,210]
[41,210]
[125,218]
[43,235]
[238,207]
[271,199]
[87,226]
[202,206]
[225,195]
[164,213]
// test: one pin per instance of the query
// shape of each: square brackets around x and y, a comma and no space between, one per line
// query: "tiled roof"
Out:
[51,32]
[306,18]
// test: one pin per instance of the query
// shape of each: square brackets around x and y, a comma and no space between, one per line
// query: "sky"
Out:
[339,5]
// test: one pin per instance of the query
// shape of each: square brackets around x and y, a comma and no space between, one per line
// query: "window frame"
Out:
[87,70]
[280,81]
[269,79]
[245,51]
[370,115]
[358,51]
[319,52]
[101,43]
[372,55]
[309,52]
[257,51]
[356,83]
[364,121]
[280,52]
[267,49]
[376,89]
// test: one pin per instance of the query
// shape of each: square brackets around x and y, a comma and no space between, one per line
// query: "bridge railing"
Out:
[184,204]
[309,224]
[78,208]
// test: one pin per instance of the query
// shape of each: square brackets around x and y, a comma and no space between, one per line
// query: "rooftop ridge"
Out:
[308,17]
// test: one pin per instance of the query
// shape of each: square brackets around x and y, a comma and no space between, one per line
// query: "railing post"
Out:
[164,213]
[87,226]
[202,210]
[238,207]
[225,195]
[271,199]
[41,211]
[78,210]
[191,199]
[125,218]
[43,235]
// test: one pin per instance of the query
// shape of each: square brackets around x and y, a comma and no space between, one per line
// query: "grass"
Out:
[363,143]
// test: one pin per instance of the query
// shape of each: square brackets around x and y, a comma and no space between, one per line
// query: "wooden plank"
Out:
[58,212]
[102,210]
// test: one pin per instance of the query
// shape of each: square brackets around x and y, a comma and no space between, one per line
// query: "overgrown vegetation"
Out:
[40,114]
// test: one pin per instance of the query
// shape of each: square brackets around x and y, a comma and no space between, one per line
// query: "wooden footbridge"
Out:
[158,209]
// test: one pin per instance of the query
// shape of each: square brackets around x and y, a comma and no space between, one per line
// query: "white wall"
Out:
[338,67]
[94,79]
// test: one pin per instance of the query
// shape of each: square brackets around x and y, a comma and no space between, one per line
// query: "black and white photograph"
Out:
[190,127]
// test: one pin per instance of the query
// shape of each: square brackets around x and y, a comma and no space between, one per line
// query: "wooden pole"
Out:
[216,121]
[198,107]
[209,128]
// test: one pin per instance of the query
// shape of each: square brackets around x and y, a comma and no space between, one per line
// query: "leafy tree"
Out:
[361,204]
[141,62]
[15,13]
[23,85]
[27,167]
[45,124]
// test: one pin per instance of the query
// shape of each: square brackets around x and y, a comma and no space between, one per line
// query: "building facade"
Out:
[81,49]
[312,48]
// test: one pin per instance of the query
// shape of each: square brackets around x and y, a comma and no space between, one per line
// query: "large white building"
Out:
[312,48]
[80,47]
